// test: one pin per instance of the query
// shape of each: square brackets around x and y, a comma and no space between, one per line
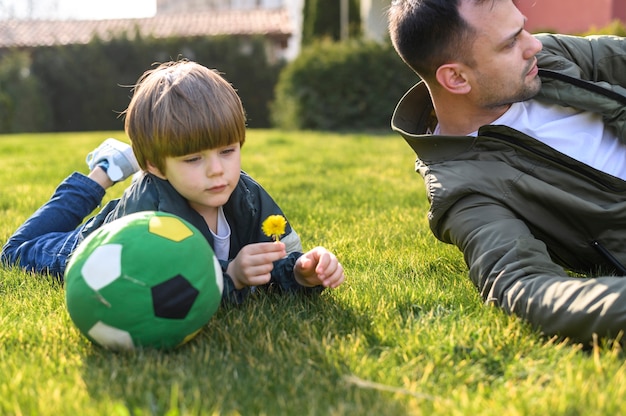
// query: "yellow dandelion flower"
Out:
[274,226]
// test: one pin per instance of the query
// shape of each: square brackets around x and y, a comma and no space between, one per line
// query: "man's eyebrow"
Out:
[514,35]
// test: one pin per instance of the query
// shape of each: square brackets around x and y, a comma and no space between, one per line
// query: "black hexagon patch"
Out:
[173,298]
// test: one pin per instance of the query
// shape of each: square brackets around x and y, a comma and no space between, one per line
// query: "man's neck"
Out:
[463,123]
[459,116]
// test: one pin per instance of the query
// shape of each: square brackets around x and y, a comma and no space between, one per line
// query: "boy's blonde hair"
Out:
[182,107]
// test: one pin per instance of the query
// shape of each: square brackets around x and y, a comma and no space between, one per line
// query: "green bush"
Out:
[86,87]
[341,86]
[21,106]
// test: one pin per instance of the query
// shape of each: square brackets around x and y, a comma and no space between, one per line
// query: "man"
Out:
[521,141]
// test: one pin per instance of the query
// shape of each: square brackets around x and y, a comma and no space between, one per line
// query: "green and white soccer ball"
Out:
[149,279]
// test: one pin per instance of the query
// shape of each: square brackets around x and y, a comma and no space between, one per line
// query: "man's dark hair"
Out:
[429,33]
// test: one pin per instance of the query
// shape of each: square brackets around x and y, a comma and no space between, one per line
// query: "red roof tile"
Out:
[32,33]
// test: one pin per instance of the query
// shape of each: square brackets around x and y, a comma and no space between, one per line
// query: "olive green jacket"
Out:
[523,213]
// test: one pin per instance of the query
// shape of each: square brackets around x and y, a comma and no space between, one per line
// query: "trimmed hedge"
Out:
[86,87]
[341,86]
[22,107]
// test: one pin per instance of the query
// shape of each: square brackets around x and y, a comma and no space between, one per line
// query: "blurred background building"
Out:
[564,16]
[280,21]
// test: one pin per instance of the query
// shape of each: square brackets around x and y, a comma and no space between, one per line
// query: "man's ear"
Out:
[155,171]
[452,77]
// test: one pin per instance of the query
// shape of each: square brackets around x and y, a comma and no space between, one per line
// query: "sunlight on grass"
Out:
[406,335]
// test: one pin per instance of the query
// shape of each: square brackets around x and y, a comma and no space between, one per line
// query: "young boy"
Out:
[187,126]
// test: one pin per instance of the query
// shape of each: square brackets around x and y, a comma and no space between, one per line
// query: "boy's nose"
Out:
[214,167]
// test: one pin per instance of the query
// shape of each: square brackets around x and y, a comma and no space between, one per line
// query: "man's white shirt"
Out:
[579,134]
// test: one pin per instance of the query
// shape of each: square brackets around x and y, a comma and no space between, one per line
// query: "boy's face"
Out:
[206,179]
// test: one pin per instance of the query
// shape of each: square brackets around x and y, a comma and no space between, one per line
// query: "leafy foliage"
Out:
[341,86]
[322,20]
[22,107]
[86,87]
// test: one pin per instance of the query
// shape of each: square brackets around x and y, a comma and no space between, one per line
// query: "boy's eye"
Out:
[191,159]
[228,150]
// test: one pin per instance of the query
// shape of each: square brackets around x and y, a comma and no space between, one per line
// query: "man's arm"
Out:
[513,270]
[600,59]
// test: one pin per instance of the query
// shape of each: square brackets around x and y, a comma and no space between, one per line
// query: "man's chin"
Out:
[531,90]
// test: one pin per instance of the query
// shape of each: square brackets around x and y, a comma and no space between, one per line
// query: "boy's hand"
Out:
[318,267]
[253,264]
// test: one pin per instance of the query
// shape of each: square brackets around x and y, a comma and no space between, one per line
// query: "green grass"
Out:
[407,334]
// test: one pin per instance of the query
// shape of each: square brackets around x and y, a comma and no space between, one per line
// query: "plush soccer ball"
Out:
[149,279]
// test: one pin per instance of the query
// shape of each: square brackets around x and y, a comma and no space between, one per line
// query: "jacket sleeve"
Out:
[600,59]
[513,270]
[281,278]
[230,294]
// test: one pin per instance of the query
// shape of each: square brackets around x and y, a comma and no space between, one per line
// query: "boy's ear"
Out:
[452,77]
[154,170]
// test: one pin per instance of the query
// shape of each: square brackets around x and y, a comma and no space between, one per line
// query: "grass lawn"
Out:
[407,334]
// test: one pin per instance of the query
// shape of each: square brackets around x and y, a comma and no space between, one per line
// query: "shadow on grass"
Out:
[272,355]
